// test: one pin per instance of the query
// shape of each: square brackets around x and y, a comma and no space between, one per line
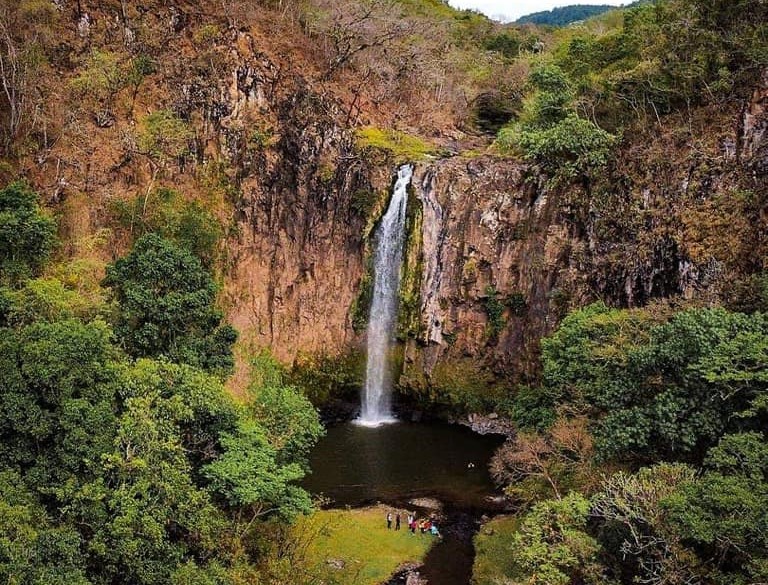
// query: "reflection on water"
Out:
[354,465]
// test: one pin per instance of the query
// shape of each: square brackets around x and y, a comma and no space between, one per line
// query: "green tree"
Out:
[140,473]
[249,477]
[634,526]
[45,299]
[141,512]
[552,546]
[165,212]
[551,133]
[552,98]
[289,420]
[590,351]
[267,454]
[724,513]
[660,390]
[507,43]
[701,375]
[165,299]
[741,454]
[27,235]
[164,136]
[574,147]
[31,549]
[56,403]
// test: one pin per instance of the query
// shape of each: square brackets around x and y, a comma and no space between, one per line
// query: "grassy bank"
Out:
[492,551]
[356,548]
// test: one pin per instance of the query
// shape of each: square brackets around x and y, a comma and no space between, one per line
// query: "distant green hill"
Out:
[565,15]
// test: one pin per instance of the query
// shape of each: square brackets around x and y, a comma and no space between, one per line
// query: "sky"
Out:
[513,9]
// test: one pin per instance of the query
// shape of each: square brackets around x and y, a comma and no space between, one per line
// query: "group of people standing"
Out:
[425,525]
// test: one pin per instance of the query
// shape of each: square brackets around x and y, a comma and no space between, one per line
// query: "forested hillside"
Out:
[188,196]
[564,15]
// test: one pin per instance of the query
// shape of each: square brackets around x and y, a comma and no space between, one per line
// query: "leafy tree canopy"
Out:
[138,472]
[553,547]
[661,390]
[27,235]
[165,298]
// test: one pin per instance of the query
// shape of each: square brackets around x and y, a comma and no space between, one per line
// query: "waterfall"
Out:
[390,238]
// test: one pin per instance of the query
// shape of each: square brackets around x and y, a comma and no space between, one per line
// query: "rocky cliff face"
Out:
[265,146]
[298,256]
[496,257]
[505,255]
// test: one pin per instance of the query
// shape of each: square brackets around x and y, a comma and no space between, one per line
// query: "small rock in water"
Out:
[428,503]
[416,416]
[415,579]
[407,573]
[489,424]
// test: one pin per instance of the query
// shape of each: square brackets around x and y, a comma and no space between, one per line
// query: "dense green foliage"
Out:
[666,55]
[563,15]
[667,390]
[165,298]
[550,131]
[138,472]
[27,235]
[552,546]
[164,136]
[684,392]
[673,397]
[596,81]
[323,378]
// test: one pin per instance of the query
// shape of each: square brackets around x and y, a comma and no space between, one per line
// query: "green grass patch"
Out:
[360,540]
[493,556]
[403,147]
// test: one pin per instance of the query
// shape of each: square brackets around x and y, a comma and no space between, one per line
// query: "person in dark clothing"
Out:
[397,521]
[389,520]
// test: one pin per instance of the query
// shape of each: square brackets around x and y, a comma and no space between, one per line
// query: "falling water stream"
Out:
[390,236]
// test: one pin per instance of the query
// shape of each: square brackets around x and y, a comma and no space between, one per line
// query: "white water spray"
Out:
[390,238]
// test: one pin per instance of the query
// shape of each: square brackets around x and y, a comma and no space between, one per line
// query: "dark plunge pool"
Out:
[354,465]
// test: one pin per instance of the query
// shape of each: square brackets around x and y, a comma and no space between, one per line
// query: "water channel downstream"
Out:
[356,466]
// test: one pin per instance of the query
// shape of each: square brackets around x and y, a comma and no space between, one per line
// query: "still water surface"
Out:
[354,465]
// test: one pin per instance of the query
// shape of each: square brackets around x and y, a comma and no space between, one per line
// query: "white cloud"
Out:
[513,9]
